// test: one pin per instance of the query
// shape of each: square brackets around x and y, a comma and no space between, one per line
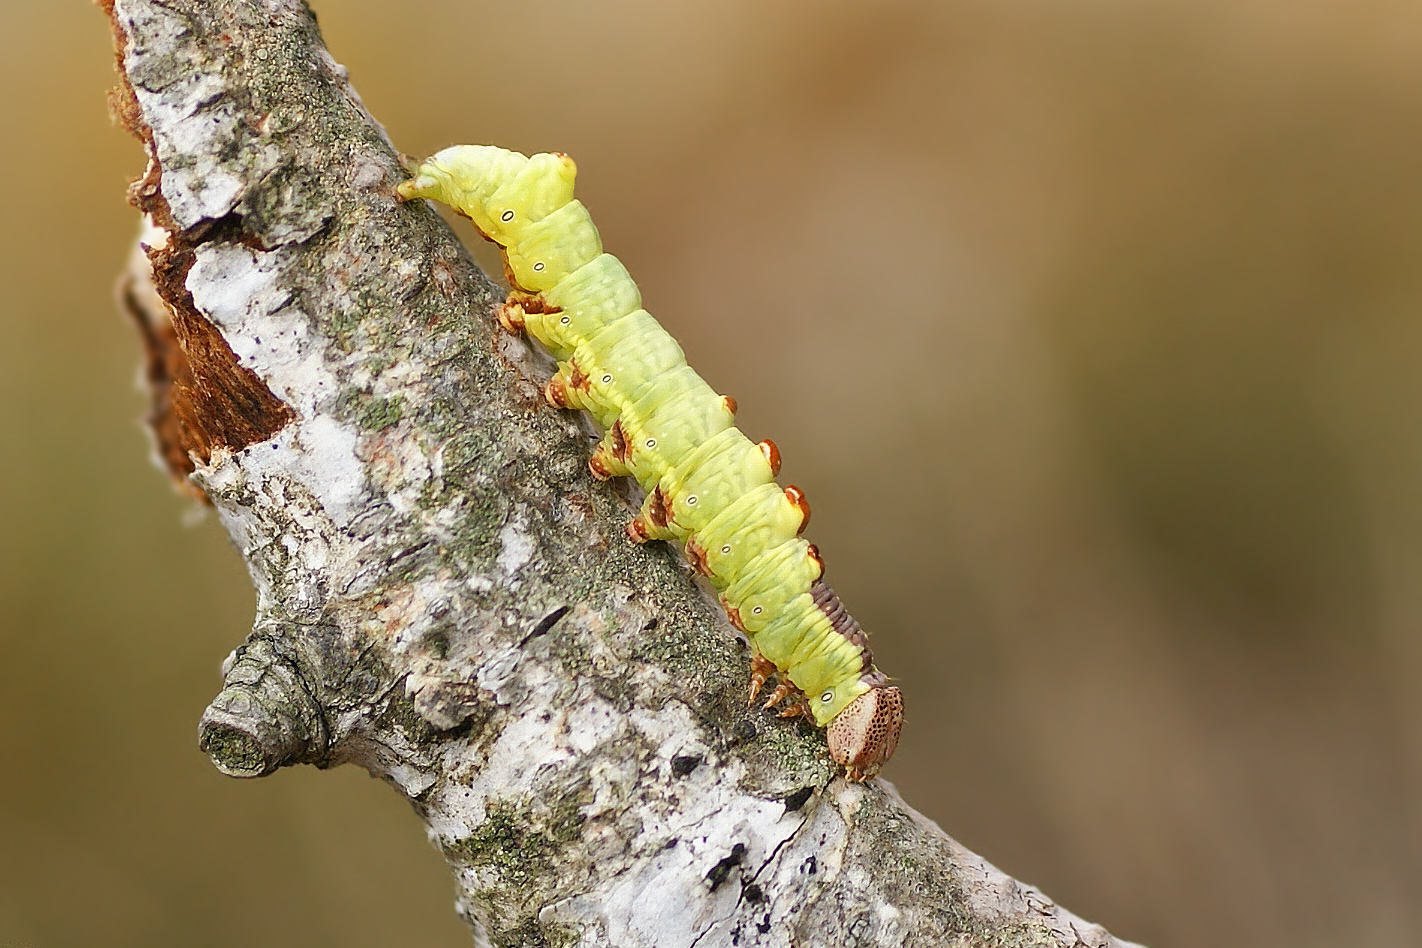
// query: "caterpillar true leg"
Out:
[783,690]
[761,669]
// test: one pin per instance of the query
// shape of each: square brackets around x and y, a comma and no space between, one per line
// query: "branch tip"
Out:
[264,718]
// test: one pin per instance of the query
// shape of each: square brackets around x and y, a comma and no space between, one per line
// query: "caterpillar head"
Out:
[865,733]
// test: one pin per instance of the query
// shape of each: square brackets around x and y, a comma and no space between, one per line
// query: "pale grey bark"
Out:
[444,595]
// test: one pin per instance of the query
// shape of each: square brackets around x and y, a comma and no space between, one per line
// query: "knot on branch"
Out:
[265,717]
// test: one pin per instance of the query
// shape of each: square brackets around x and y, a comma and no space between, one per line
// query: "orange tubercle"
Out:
[797,497]
[772,455]
[814,554]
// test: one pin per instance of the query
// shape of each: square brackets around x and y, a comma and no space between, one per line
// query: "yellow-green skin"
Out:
[665,426]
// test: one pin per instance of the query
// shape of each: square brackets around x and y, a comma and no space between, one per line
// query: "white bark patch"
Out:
[277,475]
[327,456]
[518,547]
[182,102]
[245,293]
[669,899]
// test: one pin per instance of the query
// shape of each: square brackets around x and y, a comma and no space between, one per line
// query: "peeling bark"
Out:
[445,597]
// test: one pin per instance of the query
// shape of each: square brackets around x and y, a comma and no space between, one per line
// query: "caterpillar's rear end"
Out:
[707,485]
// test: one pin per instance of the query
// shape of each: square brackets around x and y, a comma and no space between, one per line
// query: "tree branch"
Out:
[445,597]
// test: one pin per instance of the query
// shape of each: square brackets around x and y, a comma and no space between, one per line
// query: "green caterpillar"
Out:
[707,485]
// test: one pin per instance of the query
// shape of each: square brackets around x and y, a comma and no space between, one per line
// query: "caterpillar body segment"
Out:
[748,528]
[707,484]
[674,416]
[826,668]
[726,465]
[553,248]
[633,351]
[589,299]
[539,187]
[764,589]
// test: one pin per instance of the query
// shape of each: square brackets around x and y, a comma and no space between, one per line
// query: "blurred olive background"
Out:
[1091,331]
